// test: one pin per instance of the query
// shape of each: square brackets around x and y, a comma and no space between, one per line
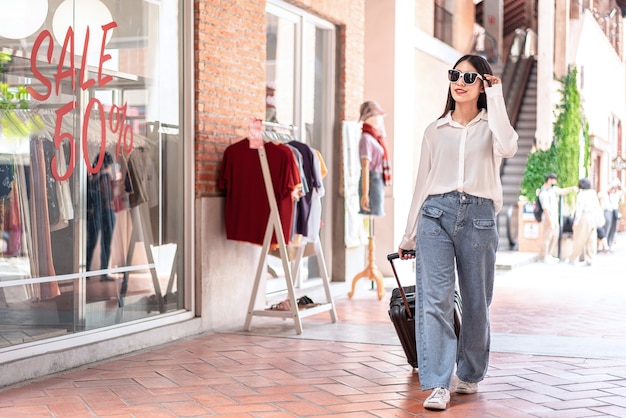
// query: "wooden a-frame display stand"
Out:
[142,232]
[274,227]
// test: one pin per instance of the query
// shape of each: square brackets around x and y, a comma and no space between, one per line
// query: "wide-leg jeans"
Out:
[456,235]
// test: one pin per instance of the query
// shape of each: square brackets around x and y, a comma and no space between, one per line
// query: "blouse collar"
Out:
[482,115]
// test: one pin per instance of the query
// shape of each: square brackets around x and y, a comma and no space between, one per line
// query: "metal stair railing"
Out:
[515,77]
[517,71]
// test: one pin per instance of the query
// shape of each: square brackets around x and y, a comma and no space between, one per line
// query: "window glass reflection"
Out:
[91,186]
[280,70]
[299,81]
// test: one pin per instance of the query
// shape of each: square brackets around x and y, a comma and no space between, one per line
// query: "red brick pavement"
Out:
[248,374]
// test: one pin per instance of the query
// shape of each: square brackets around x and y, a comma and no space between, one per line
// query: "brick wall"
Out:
[230,80]
[230,73]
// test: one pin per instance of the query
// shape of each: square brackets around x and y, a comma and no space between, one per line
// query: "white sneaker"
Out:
[438,399]
[466,388]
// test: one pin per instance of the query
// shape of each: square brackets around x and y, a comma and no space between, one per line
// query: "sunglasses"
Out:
[468,78]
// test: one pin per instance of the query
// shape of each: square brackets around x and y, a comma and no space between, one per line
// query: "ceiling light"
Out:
[20,19]
[80,14]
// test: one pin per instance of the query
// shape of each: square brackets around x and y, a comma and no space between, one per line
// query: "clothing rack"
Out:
[274,227]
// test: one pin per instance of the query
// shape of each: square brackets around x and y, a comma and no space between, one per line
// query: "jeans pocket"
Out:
[484,232]
[430,222]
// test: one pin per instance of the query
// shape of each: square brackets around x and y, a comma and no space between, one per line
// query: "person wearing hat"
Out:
[375,167]
[549,198]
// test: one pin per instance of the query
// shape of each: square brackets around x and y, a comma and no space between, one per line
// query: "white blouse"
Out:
[463,158]
[587,202]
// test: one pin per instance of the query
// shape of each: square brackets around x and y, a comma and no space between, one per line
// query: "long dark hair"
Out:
[482,67]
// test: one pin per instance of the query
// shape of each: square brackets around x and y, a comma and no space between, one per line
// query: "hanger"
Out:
[278,132]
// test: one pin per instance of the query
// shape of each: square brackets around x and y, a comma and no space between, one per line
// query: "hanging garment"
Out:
[152,180]
[121,202]
[299,162]
[247,207]
[354,232]
[315,216]
[40,221]
[303,206]
[49,151]
[6,179]
[13,223]
[64,194]
[137,174]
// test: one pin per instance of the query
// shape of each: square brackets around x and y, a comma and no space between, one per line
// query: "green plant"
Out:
[5,58]
[567,131]
[539,164]
[587,156]
[563,156]
[12,98]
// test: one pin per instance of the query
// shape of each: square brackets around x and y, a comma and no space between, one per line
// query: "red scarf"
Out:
[369,129]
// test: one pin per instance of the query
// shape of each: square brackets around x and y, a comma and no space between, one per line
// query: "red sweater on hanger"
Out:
[247,208]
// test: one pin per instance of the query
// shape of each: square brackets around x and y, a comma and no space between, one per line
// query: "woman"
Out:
[452,226]
[588,217]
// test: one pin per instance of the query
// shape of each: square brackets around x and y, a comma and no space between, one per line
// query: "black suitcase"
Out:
[402,314]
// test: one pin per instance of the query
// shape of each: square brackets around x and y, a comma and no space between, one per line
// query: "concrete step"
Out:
[508,260]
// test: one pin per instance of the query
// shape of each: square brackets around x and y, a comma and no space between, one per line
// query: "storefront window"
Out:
[280,69]
[91,186]
[299,86]
[443,22]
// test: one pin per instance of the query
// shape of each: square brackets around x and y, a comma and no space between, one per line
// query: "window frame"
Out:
[300,18]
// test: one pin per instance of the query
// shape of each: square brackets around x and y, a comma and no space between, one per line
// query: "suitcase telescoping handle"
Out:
[392,257]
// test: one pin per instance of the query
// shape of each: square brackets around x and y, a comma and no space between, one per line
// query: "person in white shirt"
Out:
[549,196]
[452,227]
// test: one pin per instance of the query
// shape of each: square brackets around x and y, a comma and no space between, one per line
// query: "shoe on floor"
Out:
[466,388]
[438,399]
